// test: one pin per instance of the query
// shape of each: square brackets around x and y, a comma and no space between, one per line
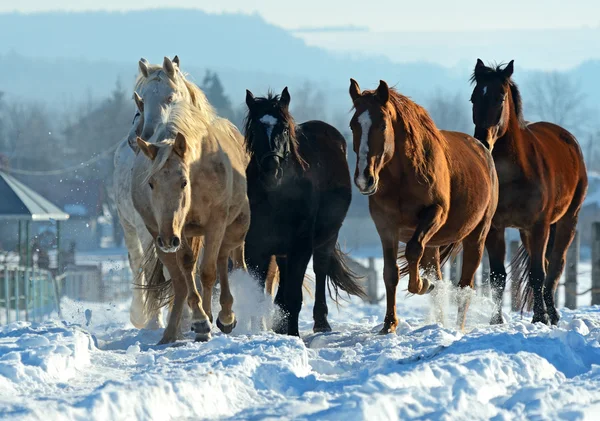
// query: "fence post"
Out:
[571,274]
[372,282]
[514,292]
[485,274]
[595,263]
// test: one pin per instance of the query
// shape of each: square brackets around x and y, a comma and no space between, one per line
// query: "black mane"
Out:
[494,72]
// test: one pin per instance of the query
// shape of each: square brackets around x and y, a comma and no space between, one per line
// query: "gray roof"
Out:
[17,201]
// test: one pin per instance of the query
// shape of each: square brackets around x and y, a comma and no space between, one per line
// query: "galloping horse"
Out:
[543,182]
[189,183]
[160,87]
[299,190]
[427,188]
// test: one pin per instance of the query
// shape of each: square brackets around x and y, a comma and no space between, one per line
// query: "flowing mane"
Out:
[421,132]
[270,105]
[494,72]
[191,123]
[197,96]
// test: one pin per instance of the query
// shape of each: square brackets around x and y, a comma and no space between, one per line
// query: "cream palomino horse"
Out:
[189,184]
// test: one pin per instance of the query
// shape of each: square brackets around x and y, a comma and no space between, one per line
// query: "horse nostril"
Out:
[176,242]
[159,241]
[370,181]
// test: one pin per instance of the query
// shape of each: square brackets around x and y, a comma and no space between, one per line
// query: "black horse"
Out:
[299,190]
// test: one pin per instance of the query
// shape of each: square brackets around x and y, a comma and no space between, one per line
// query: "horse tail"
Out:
[520,266]
[158,289]
[341,277]
[446,253]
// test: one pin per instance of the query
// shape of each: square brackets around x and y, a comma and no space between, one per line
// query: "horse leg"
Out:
[297,263]
[473,246]
[565,232]
[538,239]
[180,291]
[281,325]
[431,264]
[226,321]
[496,247]
[430,220]
[272,274]
[389,245]
[135,255]
[321,261]
[187,257]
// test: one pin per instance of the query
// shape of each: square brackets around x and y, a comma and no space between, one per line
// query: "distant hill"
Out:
[63,58]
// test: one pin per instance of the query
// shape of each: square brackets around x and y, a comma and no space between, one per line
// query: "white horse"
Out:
[169,84]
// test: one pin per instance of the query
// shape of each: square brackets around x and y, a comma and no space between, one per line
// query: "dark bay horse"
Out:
[427,188]
[543,182]
[299,190]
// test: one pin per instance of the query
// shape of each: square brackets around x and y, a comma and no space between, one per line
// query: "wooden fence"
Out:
[572,288]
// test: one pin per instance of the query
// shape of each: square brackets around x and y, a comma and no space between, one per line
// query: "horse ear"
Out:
[479,67]
[176,61]
[249,98]
[354,90]
[149,149]
[180,145]
[284,99]
[509,69]
[383,92]
[138,102]
[168,68]
[143,63]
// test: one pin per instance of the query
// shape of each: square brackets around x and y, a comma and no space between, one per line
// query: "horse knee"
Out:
[414,251]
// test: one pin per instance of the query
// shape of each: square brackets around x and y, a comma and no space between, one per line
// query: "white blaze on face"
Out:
[363,150]
[269,121]
[484,90]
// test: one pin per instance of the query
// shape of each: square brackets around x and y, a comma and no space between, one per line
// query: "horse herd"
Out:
[188,183]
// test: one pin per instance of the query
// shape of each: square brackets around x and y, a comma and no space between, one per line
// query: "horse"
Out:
[189,187]
[161,86]
[427,188]
[299,189]
[136,236]
[543,182]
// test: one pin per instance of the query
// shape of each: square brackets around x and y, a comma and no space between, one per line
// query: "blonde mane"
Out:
[197,96]
[193,124]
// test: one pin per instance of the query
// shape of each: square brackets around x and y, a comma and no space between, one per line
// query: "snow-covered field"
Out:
[62,370]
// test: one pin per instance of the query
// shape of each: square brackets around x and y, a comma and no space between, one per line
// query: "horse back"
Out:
[323,148]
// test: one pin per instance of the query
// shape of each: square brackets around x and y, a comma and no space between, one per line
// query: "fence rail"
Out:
[27,294]
[571,273]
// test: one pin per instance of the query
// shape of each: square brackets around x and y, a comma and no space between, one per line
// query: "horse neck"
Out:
[510,144]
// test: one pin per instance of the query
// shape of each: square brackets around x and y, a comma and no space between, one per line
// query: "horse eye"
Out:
[383,127]
[170,99]
[151,186]
[183,184]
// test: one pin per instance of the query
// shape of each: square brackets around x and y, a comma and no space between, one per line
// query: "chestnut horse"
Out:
[427,188]
[543,181]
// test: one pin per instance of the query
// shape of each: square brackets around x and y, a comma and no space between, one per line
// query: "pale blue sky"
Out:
[383,15]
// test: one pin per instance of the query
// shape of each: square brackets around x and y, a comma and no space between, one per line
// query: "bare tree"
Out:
[450,111]
[308,103]
[559,99]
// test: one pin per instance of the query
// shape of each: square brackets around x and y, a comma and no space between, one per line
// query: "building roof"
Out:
[19,202]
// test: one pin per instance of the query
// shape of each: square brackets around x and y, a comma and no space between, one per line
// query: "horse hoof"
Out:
[202,337]
[201,328]
[167,340]
[497,320]
[553,316]
[427,287]
[226,328]
[386,330]
[322,328]
[544,319]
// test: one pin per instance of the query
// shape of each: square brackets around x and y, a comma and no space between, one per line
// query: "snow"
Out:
[63,369]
